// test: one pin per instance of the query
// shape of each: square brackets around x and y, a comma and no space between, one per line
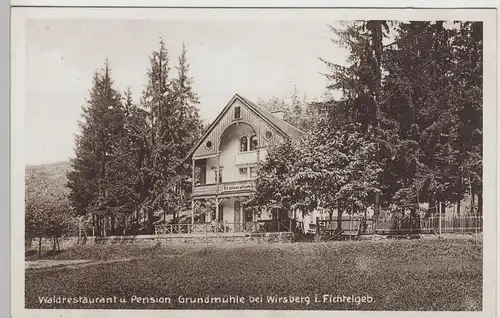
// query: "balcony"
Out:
[204,189]
[224,188]
[247,158]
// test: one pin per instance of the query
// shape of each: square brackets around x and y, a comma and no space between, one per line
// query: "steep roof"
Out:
[289,130]
[285,128]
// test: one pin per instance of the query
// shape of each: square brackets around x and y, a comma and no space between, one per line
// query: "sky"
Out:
[255,60]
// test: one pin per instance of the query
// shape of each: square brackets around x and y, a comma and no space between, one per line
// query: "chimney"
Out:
[279,114]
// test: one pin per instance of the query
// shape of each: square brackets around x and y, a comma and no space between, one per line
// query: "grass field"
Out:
[394,274]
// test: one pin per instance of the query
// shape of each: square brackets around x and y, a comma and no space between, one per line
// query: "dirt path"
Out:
[49,265]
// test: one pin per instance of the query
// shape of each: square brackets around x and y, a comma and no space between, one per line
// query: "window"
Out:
[220,175]
[237,211]
[243,171]
[253,142]
[237,112]
[268,135]
[248,215]
[221,213]
[253,172]
[208,144]
[243,144]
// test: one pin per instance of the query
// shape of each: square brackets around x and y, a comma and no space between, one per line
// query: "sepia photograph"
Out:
[253,160]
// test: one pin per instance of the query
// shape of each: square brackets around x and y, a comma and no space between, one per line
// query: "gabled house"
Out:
[226,159]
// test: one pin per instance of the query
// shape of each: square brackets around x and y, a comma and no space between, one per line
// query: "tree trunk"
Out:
[98,221]
[58,246]
[39,247]
[480,204]
[113,225]
[458,207]
[339,220]
[472,201]
[413,212]
[150,222]
[432,208]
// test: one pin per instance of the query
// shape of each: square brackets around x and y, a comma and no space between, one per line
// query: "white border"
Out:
[19,16]
[262,3]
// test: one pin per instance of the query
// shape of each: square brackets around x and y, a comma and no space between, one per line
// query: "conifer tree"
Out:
[101,125]
[187,133]
[297,111]
[360,82]
[157,101]
[434,78]
[123,182]
[174,126]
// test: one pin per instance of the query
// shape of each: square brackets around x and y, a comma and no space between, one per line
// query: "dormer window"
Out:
[243,144]
[237,112]
[253,142]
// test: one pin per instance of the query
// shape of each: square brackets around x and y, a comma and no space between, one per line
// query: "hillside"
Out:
[51,175]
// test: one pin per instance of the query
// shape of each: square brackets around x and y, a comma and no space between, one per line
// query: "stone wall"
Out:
[67,242]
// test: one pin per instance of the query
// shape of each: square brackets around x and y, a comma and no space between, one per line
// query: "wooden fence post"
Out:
[350,226]
[317,229]
[439,209]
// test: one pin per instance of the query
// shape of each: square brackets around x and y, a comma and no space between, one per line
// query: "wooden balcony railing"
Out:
[247,157]
[224,188]
[263,226]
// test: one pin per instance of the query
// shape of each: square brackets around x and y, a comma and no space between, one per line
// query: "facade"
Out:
[226,159]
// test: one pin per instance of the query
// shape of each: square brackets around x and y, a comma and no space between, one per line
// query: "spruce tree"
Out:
[189,128]
[174,126]
[101,125]
[432,73]
[157,101]
[467,96]
[360,82]
[124,178]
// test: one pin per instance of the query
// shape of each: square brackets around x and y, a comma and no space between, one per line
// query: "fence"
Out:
[347,223]
[227,227]
[427,225]
[384,226]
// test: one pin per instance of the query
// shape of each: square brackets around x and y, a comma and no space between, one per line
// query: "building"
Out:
[226,159]
[225,162]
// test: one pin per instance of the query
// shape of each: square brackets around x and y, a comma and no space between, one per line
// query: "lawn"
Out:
[394,274]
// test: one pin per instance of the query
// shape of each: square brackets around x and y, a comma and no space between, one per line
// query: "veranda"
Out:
[260,226]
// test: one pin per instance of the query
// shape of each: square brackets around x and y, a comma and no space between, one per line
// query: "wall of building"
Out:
[211,166]
[231,159]
[230,151]
[247,116]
